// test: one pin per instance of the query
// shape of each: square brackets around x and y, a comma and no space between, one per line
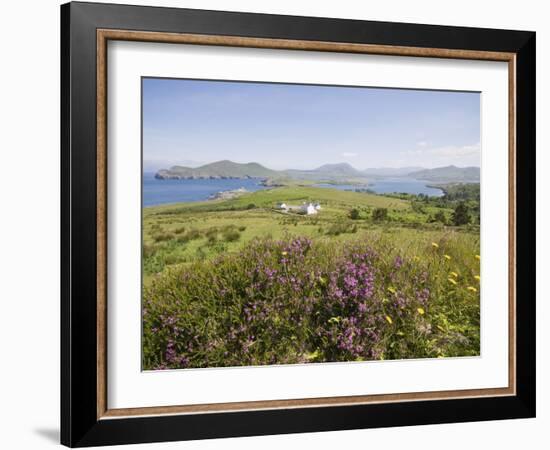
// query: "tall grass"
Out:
[295,300]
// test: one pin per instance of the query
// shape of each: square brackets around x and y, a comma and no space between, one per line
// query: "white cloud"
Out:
[465,155]
[448,151]
[421,143]
[349,154]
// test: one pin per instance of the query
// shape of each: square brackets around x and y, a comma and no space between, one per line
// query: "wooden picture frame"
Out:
[86,418]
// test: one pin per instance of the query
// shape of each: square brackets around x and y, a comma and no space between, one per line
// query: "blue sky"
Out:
[284,126]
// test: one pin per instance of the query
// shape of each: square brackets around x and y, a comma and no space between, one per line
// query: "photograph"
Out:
[296,223]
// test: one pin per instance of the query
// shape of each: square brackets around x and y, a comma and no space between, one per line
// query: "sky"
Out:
[290,126]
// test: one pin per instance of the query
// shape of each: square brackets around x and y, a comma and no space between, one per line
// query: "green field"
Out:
[182,233]
[221,243]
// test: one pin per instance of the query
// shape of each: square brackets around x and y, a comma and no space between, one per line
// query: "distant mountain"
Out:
[340,172]
[340,169]
[448,174]
[230,169]
[390,171]
[219,169]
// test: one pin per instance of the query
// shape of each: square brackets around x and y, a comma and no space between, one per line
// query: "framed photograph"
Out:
[277,224]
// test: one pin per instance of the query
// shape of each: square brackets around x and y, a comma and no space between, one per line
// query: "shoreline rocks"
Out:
[228,195]
[167,175]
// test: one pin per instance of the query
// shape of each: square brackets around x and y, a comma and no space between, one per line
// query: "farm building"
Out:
[283,206]
[308,209]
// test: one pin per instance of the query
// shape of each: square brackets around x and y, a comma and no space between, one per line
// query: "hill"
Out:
[331,199]
[448,174]
[340,169]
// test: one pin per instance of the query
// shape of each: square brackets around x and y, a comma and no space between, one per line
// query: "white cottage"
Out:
[308,209]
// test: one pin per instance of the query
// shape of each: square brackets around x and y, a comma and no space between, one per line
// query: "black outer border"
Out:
[79,425]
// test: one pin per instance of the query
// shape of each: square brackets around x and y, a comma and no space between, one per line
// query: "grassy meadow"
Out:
[238,282]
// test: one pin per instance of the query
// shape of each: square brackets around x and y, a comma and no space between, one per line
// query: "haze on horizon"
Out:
[289,126]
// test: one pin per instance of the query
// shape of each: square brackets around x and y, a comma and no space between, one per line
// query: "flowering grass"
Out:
[302,300]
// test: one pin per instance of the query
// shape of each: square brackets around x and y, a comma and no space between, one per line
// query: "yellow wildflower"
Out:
[420,311]
[447,257]
[452,281]
[284,253]
[434,245]
[392,290]
[388,319]
[471,288]
[416,258]
[477,277]
[454,274]
[478,257]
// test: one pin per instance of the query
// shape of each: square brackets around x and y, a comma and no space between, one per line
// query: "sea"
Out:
[159,192]
[391,186]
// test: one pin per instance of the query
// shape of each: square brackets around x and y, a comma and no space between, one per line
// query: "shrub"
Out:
[417,207]
[231,235]
[341,228]
[440,217]
[191,235]
[211,233]
[354,214]
[461,215]
[161,237]
[379,214]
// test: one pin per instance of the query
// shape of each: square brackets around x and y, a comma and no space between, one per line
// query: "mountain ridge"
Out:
[448,173]
[339,168]
[226,169]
